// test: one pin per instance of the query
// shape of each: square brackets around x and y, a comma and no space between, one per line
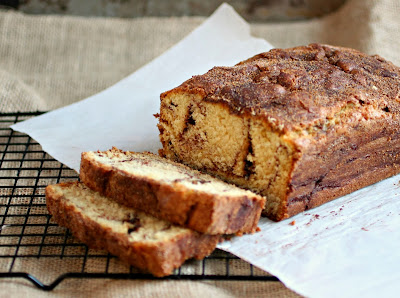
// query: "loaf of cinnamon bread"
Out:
[300,126]
[141,240]
[171,191]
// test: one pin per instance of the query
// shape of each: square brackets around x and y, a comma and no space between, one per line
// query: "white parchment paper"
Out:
[347,248]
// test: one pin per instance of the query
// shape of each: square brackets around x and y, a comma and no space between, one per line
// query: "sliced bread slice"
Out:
[141,240]
[171,191]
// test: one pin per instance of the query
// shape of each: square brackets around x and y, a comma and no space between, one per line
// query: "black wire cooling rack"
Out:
[34,248]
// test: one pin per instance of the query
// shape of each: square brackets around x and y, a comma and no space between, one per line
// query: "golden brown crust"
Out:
[335,109]
[300,86]
[159,258]
[364,155]
[200,211]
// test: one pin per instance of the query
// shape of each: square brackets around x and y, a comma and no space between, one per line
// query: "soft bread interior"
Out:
[242,150]
[152,167]
[135,225]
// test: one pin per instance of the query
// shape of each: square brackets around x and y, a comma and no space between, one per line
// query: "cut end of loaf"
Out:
[240,150]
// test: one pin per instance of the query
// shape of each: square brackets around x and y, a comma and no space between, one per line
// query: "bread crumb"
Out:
[292,223]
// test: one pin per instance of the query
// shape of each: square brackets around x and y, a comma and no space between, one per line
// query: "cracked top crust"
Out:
[305,86]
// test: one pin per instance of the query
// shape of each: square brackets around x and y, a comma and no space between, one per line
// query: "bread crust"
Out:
[330,169]
[197,210]
[336,109]
[159,258]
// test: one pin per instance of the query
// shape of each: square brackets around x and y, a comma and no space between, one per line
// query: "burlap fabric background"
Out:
[50,61]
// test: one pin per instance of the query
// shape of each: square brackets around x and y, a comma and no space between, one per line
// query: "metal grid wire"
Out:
[33,247]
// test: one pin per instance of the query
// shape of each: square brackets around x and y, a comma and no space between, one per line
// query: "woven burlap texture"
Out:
[52,61]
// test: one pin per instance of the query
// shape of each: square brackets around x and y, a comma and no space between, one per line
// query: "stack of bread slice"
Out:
[149,211]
